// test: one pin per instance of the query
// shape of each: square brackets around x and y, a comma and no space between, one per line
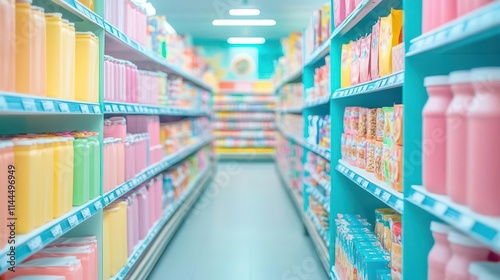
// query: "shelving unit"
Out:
[139,109]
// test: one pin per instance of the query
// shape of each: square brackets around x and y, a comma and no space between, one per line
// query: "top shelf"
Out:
[355,17]
[319,53]
[80,11]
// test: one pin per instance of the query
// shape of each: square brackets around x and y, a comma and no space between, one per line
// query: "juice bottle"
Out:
[71,61]
[113,164]
[85,67]
[26,160]
[106,166]
[58,196]
[142,197]
[7,46]
[434,134]
[47,169]
[66,173]
[120,153]
[95,165]
[7,175]
[39,52]
[54,55]
[107,242]
[465,251]
[24,47]
[66,63]
[95,68]
[81,170]
[440,252]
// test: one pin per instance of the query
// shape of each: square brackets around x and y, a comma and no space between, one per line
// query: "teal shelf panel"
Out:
[14,103]
[152,171]
[167,214]
[120,45]
[317,102]
[470,30]
[324,152]
[483,228]
[322,232]
[322,183]
[319,53]
[355,17]
[367,181]
[140,109]
[81,11]
[382,84]
[28,244]
[295,76]
[291,110]
[319,196]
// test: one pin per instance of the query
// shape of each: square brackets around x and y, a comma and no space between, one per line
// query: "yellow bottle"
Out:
[54,54]
[58,197]
[8,49]
[65,173]
[89,4]
[122,235]
[86,67]
[26,159]
[71,58]
[66,61]
[115,240]
[39,53]
[24,52]
[47,168]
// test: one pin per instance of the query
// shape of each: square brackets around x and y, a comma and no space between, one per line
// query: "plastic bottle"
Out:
[434,134]
[66,172]
[71,61]
[106,166]
[456,135]
[25,32]
[39,52]
[440,252]
[7,175]
[95,165]
[86,65]
[482,145]
[465,251]
[476,4]
[120,161]
[448,10]
[142,197]
[47,169]
[113,156]
[484,271]
[129,158]
[54,55]
[81,171]
[7,46]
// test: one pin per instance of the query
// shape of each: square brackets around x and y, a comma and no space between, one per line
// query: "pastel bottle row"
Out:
[39,59]
[128,17]
[461,120]
[53,172]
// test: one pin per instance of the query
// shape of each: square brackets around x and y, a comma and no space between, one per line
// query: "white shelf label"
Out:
[98,205]
[86,213]
[97,109]
[56,231]
[351,175]
[418,197]
[440,208]
[64,107]
[115,108]
[385,197]
[123,109]
[106,200]
[466,222]
[399,205]
[35,243]
[107,108]
[73,221]
[3,103]
[48,106]
[84,108]
[112,196]
[365,184]
[29,105]
[377,192]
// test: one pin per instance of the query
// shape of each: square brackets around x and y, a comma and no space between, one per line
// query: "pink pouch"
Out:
[364,59]
[349,7]
[152,201]
[374,51]
[339,12]
[355,54]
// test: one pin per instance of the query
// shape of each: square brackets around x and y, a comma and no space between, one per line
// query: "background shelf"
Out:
[140,109]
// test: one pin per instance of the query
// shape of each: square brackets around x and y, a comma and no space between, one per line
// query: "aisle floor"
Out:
[243,227]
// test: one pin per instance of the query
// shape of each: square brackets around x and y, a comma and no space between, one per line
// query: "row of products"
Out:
[42,60]
[232,142]
[373,139]
[181,94]
[342,9]
[127,222]
[317,175]
[129,17]
[437,13]
[456,256]
[52,173]
[318,30]
[460,124]
[73,258]
[292,59]
[245,134]
[243,107]
[125,83]
[243,125]
[318,128]
[289,161]
[322,83]
[318,212]
[292,96]
[389,231]
[291,124]
[177,135]
[244,99]
[245,116]
[379,54]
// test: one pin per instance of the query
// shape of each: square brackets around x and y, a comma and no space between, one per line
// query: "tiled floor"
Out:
[244,227]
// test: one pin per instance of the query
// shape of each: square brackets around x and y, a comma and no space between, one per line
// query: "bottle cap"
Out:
[486,74]
[460,77]
[460,239]
[436,81]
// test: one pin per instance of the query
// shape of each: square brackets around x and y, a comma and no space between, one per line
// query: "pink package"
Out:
[347,120]
[86,254]
[142,198]
[350,6]
[158,196]
[135,219]
[69,267]
[130,225]
[339,12]
[364,59]
[465,251]
[120,162]
[115,127]
[374,51]
[152,203]
[113,172]
[355,53]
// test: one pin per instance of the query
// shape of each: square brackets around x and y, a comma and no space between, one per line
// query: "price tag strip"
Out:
[385,83]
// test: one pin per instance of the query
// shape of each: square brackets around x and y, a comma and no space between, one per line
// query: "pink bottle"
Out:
[118,128]
[129,158]
[135,216]
[107,165]
[434,134]
[152,203]
[465,251]
[431,17]
[448,9]
[113,173]
[130,225]
[483,128]
[440,252]
[456,135]
[466,6]
[114,79]
[484,271]
[120,161]
[142,198]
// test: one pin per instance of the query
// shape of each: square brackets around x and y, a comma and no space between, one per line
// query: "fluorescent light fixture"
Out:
[246,40]
[244,12]
[244,22]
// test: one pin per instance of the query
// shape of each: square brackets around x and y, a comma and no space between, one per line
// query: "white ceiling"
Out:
[195,17]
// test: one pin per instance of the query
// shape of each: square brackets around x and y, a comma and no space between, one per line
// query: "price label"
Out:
[3,103]
[115,108]
[466,222]
[56,231]
[107,27]
[417,197]
[359,180]
[48,106]
[64,107]
[118,192]
[399,205]
[351,175]
[107,109]
[35,243]
[440,208]
[99,21]
[106,200]
[92,16]
[98,205]
[130,109]
[112,196]
[364,184]
[123,109]
[73,221]
[377,192]
[86,213]
[97,109]
[84,108]
[29,105]
[385,197]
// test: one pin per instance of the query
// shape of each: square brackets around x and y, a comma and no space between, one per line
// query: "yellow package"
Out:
[387,233]
[346,66]
[390,29]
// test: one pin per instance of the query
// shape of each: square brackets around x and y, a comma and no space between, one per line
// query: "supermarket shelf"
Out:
[355,17]
[193,190]
[333,274]
[324,152]
[120,45]
[321,182]
[371,184]
[236,109]
[295,76]
[469,30]
[81,11]
[242,129]
[130,108]
[12,103]
[245,156]
[392,81]
[293,110]
[319,53]
[317,102]
[483,228]
[319,196]
[149,173]
[317,227]
[243,92]
[242,119]
[28,244]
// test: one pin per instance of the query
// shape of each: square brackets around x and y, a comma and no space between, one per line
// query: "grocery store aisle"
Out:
[243,227]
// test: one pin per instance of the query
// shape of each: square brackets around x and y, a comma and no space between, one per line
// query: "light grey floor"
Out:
[243,227]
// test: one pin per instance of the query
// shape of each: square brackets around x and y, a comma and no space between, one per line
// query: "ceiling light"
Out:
[246,40]
[244,12]
[244,22]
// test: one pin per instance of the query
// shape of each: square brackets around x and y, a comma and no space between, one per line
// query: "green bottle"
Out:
[95,165]
[81,171]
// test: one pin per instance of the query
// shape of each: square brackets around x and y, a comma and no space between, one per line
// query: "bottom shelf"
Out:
[142,261]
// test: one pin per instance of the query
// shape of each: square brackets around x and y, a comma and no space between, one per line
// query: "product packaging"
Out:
[364,59]
[371,123]
[374,53]
[346,65]
[355,63]
[361,154]
[370,155]
[390,29]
